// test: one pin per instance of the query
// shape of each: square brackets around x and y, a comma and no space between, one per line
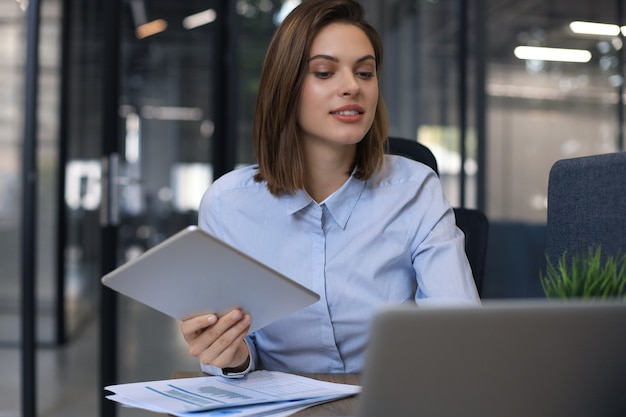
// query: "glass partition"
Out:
[11,93]
[12,60]
[542,110]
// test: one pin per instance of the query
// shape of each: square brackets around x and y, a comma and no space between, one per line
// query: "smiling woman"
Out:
[522,115]
[289,63]
[325,206]
[337,105]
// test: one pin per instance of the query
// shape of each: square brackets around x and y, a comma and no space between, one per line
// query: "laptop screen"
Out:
[508,358]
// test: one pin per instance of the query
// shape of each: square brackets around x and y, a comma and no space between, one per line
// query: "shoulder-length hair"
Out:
[276,133]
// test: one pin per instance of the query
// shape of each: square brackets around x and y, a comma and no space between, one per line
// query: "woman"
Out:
[325,206]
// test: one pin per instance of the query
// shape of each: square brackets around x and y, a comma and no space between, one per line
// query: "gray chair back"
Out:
[587,205]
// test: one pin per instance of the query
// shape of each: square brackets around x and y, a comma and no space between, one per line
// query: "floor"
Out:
[151,347]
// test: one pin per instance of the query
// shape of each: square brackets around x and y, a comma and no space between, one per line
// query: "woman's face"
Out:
[340,90]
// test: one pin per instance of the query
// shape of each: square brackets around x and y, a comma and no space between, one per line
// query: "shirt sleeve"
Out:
[442,269]
[209,212]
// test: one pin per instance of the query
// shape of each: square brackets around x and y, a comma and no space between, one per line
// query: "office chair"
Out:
[472,222]
[587,205]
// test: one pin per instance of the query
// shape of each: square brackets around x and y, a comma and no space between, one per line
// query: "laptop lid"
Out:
[511,358]
[194,273]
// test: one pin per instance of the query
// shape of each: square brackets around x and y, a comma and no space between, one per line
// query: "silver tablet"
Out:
[194,273]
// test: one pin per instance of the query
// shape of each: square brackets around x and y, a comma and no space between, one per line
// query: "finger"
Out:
[236,357]
[233,356]
[209,342]
[222,324]
[193,327]
[226,348]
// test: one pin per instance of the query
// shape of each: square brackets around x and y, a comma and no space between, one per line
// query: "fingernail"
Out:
[247,319]
[211,318]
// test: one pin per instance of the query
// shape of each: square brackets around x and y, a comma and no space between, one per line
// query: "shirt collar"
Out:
[296,202]
[340,204]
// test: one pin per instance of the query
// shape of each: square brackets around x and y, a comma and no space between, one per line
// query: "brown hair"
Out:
[276,133]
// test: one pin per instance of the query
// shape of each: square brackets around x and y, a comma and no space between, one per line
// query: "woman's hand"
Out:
[219,341]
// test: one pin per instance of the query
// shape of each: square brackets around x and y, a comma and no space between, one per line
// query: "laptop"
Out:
[518,358]
[193,273]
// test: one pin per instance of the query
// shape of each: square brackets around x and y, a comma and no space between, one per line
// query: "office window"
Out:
[542,110]
[12,27]
[535,111]
[12,61]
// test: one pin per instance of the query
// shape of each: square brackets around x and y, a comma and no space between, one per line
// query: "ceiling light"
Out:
[199,19]
[599,29]
[591,28]
[150,28]
[552,54]
[171,113]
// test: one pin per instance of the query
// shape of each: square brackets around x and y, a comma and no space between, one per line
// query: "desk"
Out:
[343,407]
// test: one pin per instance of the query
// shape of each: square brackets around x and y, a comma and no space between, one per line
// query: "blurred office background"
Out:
[165,91]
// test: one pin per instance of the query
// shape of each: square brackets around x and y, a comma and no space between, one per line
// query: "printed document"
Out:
[259,391]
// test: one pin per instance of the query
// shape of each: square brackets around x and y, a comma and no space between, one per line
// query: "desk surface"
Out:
[343,407]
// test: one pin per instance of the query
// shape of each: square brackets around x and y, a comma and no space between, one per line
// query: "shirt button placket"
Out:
[319,262]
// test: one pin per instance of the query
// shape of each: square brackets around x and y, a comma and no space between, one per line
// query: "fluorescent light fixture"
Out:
[171,113]
[150,28]
[599,29]
[552,54]
[133,138]
[199,19]
[591,28]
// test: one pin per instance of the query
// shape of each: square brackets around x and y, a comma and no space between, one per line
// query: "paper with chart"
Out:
[215,392]
[276,409]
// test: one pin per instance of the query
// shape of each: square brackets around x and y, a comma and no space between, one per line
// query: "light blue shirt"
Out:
[390,239]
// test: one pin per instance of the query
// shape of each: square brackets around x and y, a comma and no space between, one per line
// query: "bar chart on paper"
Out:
[216,393]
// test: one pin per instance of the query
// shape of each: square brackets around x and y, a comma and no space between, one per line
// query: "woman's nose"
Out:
[349,84]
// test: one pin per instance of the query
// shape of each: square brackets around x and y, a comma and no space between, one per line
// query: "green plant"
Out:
[585,275]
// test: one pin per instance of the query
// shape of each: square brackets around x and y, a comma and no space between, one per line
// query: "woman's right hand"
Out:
[219,341]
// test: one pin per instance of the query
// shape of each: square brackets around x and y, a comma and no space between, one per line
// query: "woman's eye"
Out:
[365,75]
[323,74]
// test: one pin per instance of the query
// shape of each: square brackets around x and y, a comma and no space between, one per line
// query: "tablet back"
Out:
[193,273]
[516,358]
